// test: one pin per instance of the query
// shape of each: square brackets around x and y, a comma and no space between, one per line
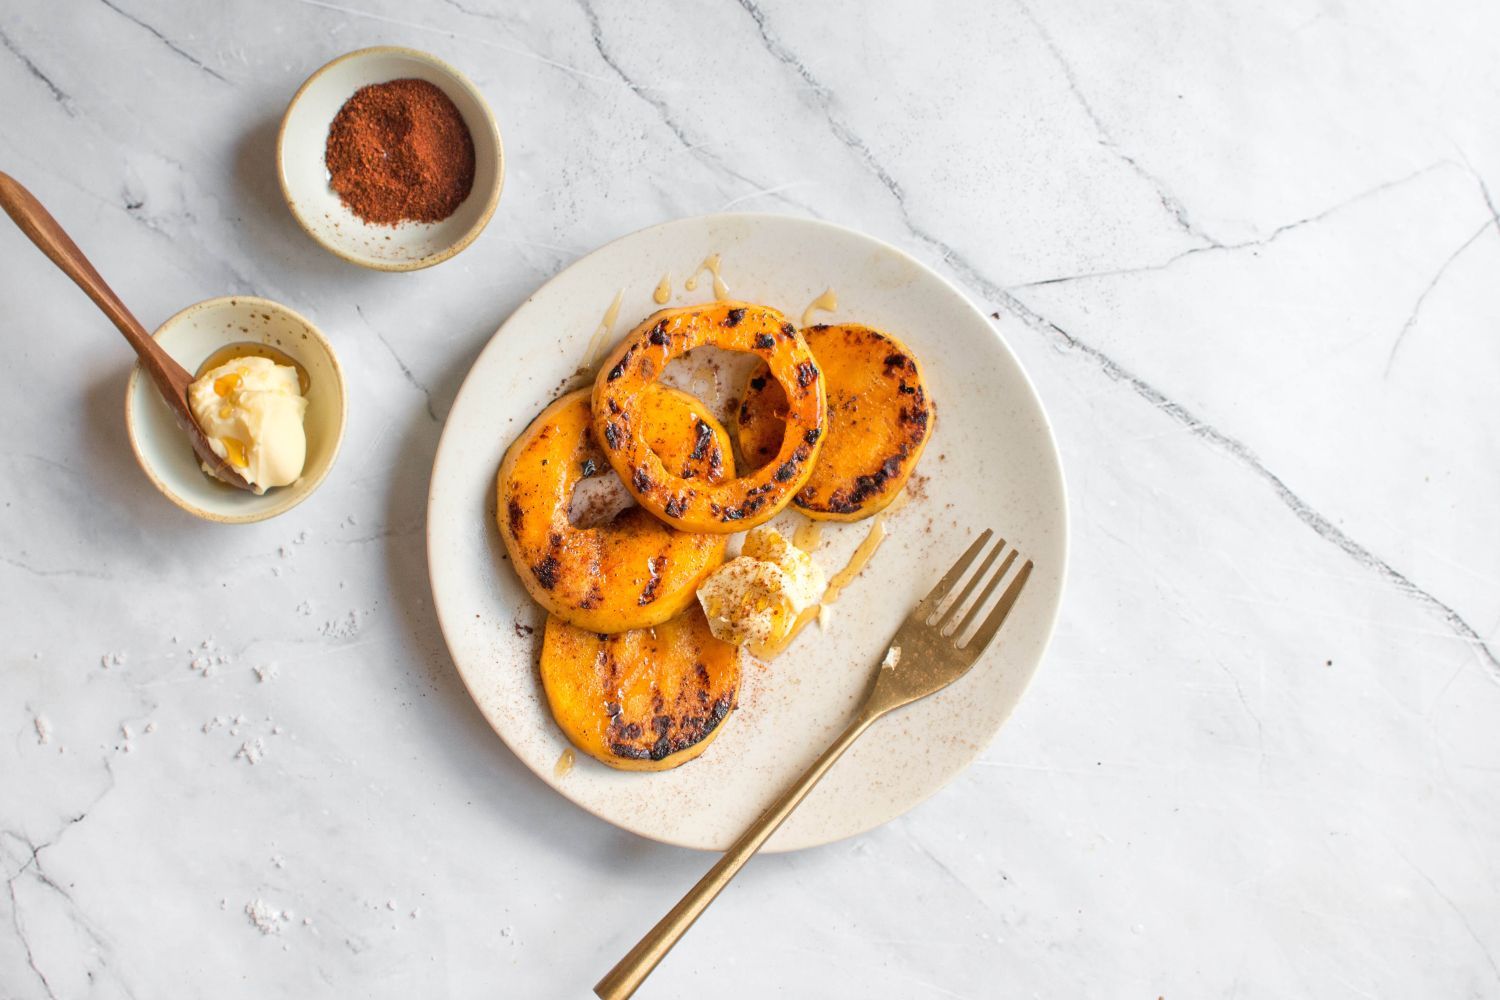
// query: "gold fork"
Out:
[935,646]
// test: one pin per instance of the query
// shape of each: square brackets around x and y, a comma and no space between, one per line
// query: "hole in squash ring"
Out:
[693,504]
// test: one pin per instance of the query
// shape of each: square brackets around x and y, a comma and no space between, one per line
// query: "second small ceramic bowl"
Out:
[191,337]
[300,164]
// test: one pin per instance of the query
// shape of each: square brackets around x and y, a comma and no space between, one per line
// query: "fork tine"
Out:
[951,607]
[935,595]
[987,629]
[992,582]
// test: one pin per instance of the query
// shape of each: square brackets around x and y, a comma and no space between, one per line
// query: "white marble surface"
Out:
[1249,256]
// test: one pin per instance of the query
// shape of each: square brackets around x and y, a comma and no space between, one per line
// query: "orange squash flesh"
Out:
[691,503]
[634,572]
[643,700]
[879,420]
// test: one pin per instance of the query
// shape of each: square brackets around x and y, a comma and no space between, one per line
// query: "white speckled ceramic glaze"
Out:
[190,337]
[304,175]
[991,462]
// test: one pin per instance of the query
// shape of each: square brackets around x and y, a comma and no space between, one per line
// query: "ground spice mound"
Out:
[400,152]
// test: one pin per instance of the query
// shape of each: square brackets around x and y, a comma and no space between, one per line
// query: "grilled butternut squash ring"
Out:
[633,572]
[879,420]
[643,700]
[688,502]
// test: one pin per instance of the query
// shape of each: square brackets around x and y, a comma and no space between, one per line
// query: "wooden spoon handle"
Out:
[171,379]
[43,230]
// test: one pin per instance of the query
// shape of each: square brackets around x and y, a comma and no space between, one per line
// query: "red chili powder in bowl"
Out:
[400,152]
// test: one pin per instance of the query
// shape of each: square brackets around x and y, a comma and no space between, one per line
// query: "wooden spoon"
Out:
[172,380]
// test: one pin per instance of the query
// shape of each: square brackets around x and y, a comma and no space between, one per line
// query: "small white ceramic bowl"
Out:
[191,337]
[300,163]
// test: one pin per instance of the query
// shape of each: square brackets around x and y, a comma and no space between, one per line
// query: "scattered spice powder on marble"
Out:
[400,152]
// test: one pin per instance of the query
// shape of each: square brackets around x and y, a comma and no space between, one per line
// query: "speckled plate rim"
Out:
[373,263]
[497,342]
[293,499]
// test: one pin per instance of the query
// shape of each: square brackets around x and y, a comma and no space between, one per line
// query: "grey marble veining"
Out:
[1249,258]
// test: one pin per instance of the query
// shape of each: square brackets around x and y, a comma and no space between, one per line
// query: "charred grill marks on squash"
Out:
[704,437]
[787,471]
[647,699]
[723,504]
[546,572]
[850,500]
[628,751]
[593,598]
[648,594]
[594,577]
[878,421]
[619,369]
[673,734]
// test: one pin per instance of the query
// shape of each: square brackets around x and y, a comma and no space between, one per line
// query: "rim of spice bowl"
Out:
[300,168]
[191,337]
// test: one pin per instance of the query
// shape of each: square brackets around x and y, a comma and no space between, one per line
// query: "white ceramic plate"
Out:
[991,462]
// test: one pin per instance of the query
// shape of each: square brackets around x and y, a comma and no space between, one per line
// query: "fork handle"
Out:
[628,974]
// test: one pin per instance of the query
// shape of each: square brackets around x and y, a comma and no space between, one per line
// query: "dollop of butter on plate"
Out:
[756,598]
[252,409]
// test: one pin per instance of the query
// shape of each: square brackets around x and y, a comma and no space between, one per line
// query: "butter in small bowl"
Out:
[251,409]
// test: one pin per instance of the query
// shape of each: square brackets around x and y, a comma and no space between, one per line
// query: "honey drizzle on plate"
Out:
[771,650]
[808,534]
[564,763]
[827,302]
[600,340]
[857,562]
[711,265]
[663,289]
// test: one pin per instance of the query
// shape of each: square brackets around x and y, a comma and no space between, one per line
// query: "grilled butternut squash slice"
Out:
[643,700]
[633,572]
[879,420]
[692,503]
